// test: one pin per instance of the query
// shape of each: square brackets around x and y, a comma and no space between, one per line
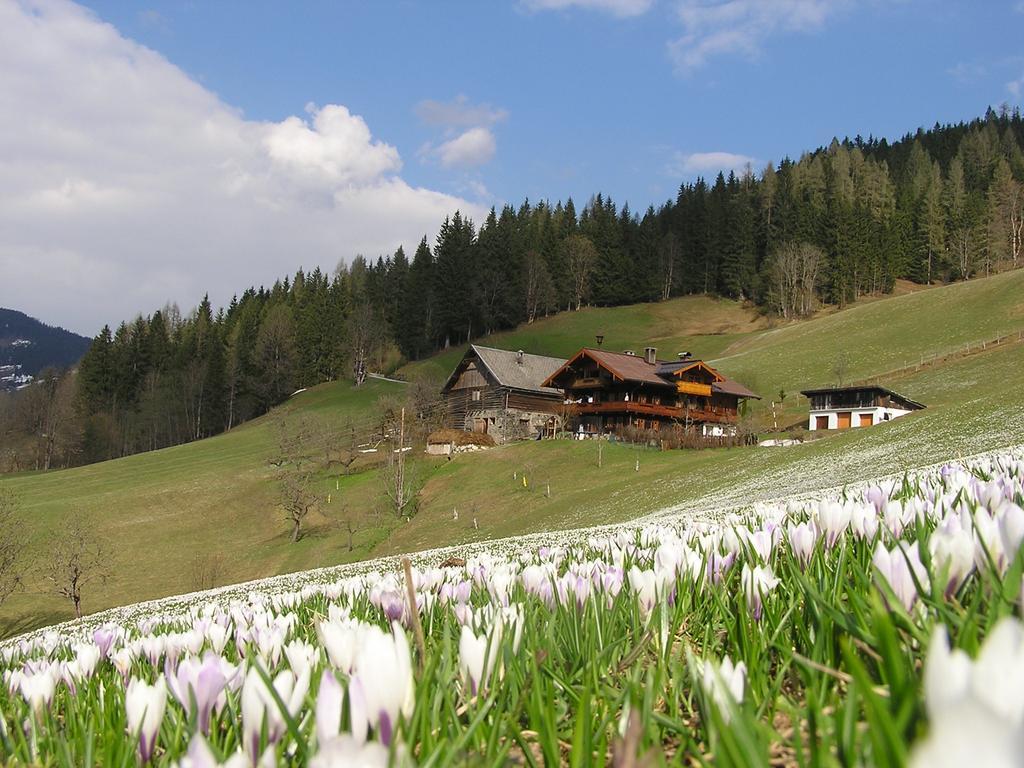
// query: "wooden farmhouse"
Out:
[502,394]
[847,407]
[607,391]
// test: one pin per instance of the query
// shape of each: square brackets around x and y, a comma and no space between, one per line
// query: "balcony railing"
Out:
[632,408]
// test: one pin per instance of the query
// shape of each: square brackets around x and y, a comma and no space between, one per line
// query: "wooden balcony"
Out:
[693,388]
[630,408]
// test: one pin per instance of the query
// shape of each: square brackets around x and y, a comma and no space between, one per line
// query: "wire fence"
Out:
[926,361]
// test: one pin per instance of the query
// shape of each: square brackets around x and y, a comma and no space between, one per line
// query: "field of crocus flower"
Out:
[878,625]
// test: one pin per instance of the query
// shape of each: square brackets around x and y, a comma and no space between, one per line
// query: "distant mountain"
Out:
[27,346]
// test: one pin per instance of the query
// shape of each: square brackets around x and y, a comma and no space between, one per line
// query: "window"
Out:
[476,395]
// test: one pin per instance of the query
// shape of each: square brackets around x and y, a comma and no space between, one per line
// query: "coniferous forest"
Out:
[841,222]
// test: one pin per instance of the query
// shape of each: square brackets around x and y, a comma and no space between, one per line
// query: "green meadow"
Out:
[179,519]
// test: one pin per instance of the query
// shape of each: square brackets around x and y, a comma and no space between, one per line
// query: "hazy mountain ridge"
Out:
[28,345]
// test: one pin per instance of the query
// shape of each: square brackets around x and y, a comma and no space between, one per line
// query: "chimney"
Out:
[650,355]
[684,356]
[519,357]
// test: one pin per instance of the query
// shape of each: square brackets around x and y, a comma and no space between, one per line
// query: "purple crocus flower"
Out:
[200,684]
[104,638]
[717,565]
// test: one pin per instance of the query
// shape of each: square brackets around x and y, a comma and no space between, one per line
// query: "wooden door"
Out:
[821,422]
[844,419]
[865,420]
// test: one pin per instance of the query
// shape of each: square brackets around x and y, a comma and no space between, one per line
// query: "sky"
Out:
[157,151]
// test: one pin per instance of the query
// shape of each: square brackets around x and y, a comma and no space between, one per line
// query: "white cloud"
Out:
[620,8]
[1016,87]
[717,27]
[469,149]
[124,183]
[458,113]
[469,141]
[336,149]
[966,72]
[707,163]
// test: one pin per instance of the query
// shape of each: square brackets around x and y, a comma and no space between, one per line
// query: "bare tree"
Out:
[46,412]
[581,256]
[351,519]
[398,485]
[668,252]
[233,371]
[793,276]
[338,443]
[275,353]
[1005,216]
[298,497]
[207,571]
[301,449]
[366,337]
[12,542]
[840,367]
[537,284]
[427,405]
[77,559]
[295,440]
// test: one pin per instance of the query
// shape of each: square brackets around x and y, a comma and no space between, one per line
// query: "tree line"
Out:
[840,222]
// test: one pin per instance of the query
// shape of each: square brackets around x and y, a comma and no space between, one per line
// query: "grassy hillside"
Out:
[878,337]
[702,325]
[970,409]
[165,513]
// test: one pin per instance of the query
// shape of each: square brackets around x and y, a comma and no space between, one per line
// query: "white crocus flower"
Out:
[301,655]
[648,587]
[757,583]
[898,568]
[477,656]
[329,701]
[87,656]
[724,683]
[340,638]
[258,706]
[382,686]
[217,636]
[38,687]
[864,521]
[144,706]
[199,755]
[952,551]
[348,752]
[802,538]
[976,708]
[833,520]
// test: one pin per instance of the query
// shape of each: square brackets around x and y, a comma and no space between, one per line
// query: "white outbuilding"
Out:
[851,407]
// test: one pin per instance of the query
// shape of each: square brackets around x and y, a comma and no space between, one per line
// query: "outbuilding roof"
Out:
[730,387]
[515,370]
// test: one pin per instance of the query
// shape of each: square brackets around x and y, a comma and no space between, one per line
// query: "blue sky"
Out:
[594,98]
[158,151]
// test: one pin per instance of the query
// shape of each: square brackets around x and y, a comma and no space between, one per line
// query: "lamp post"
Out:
[600,339]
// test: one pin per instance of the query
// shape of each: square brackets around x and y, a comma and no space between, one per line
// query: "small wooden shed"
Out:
[500,393]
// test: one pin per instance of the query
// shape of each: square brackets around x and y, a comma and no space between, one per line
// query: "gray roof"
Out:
[508,371]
